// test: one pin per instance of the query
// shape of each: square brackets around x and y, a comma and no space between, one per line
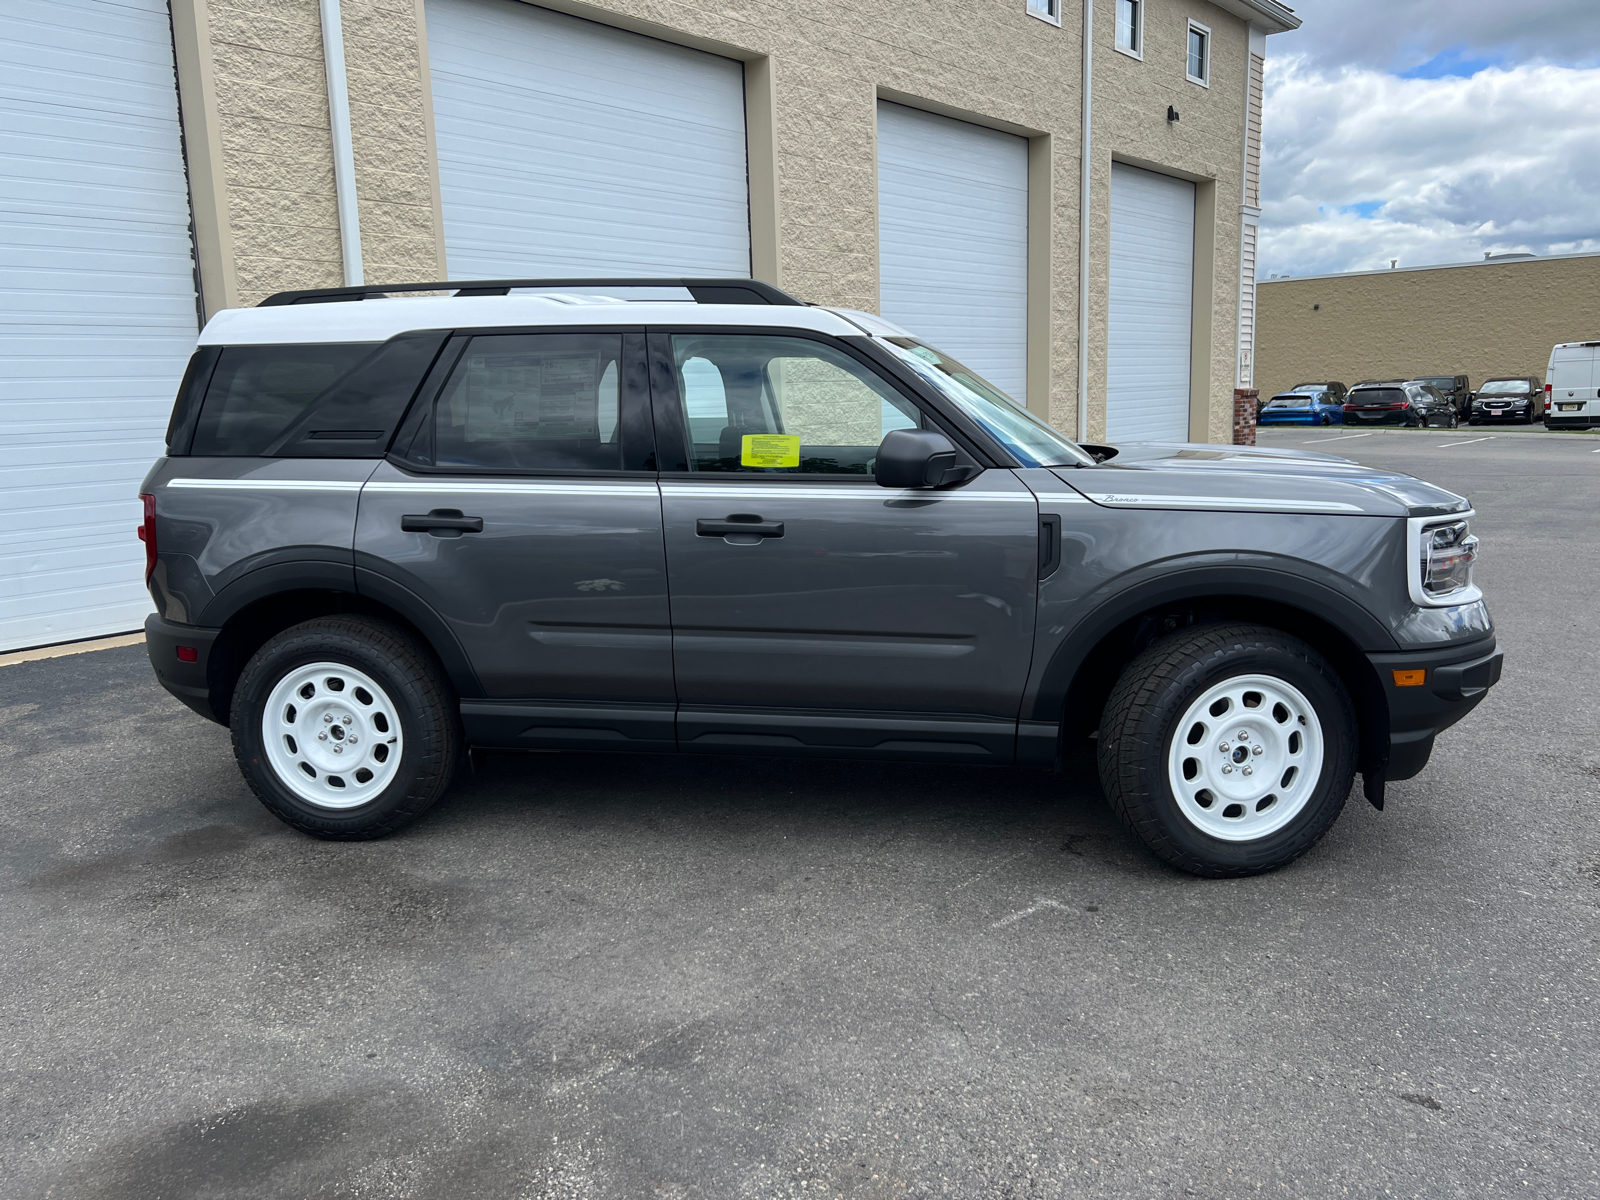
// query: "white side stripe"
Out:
[268,485]
[1230,503]
[877,494]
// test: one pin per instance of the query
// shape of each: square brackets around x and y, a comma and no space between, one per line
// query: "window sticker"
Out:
[770,450]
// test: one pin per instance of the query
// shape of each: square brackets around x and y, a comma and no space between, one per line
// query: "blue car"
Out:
[1302,408]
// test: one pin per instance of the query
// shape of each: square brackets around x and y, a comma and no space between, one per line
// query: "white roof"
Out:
[380,320]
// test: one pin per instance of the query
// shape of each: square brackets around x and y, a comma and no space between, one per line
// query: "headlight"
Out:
[1441,552]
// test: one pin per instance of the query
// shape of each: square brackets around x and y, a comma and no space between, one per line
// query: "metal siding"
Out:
[953,239]
[1151,306]
[569,148]
[1247,304]
[97,305]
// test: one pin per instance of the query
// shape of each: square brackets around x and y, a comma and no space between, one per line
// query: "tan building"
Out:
[929,161]
[1500,317]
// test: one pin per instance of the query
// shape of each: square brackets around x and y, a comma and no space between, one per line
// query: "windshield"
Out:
[1030,440]
[1442,382]
[1506,387]
[1309,387]
[1289,402]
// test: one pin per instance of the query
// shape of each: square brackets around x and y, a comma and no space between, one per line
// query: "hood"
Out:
[1253,479]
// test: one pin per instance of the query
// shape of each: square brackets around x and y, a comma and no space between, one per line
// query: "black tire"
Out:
[1140,722]
[424,704]
[1326,419]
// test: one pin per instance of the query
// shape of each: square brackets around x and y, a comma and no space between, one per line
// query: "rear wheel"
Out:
[1228,749]
[345,728]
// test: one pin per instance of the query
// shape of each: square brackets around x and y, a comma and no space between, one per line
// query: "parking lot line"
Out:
[1468,442]
[1340,438]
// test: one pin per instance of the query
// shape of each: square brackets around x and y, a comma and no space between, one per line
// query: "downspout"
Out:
[344,159]
[1085,172]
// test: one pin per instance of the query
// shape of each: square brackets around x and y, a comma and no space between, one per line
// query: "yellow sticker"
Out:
[770,450]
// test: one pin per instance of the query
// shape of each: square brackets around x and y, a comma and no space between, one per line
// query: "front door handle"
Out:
[739,524]
[442,522]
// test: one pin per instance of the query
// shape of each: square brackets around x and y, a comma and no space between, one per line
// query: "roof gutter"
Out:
[1269,14]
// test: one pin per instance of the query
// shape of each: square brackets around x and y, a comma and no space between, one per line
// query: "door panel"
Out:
[871,600]
[561,596]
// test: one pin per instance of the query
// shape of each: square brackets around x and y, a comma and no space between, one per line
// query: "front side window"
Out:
[782,406]
[1130,27]
[1029,440]
[544,401]
[1199,67]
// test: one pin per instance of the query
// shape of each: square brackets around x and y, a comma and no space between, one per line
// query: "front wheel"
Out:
[345,728]
[1228,749]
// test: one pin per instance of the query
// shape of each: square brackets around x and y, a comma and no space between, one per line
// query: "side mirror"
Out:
[918,458]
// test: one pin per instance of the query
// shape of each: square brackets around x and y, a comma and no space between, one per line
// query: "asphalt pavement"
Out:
[587,976]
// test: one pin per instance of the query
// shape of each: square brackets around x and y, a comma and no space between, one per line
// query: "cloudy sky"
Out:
[1430,131]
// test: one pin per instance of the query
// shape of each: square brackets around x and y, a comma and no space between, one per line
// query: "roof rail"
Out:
[704,291]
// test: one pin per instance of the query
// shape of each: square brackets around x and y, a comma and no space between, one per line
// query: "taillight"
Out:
[147,534]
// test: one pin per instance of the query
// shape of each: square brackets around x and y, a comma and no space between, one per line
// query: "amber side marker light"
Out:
[1410,678]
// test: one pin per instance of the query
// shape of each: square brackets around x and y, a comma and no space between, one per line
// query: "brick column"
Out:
[1244,416]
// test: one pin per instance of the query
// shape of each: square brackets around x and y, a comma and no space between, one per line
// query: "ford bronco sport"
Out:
[700,517]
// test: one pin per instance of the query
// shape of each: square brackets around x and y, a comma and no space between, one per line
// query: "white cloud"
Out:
[1360,167]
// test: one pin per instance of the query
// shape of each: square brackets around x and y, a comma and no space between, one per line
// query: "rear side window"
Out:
[257,392]
[533,402]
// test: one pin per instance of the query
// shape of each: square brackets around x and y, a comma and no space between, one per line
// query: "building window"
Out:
[1045,10]
[1199,64]
[1130,27]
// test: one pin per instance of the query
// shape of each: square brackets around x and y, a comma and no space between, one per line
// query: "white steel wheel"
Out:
[331,735]
[1245,758]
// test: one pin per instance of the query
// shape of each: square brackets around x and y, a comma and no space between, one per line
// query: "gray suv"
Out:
[700,517]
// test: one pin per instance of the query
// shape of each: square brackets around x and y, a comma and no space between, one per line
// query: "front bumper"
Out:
[188,681]
[1514,413]
[1455,681]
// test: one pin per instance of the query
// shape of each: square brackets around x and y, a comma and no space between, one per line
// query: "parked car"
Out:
[1399,402]
[1302,408]
[1515,398]
[1455,388]
[1572,386]
[386,532]
[1337,389]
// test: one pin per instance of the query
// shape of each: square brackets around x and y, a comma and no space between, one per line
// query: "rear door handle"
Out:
[442,522]
[739,523]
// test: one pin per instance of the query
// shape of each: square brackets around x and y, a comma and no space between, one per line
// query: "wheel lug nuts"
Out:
[327,718]
[1249,770]
[1224,747]
[1227,770]
[1256,750]
[322,737]
[347,720]
[338,749]
[352,739]
[1244,735]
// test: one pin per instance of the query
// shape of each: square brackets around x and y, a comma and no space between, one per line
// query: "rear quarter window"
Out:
[257,392]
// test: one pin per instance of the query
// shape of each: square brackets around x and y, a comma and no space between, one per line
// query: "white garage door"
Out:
[571,148]
[1152,297]
[953,239]
[97,306]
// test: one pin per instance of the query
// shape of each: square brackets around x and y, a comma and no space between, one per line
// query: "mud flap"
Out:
[1372,788]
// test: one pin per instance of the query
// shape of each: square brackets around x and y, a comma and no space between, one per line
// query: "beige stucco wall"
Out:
[1478,319]
[828,61]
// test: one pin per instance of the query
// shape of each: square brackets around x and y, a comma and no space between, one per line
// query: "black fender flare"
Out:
[1166,585]
[328,575]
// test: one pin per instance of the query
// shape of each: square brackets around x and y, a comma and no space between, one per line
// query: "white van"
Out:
[1572,386]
